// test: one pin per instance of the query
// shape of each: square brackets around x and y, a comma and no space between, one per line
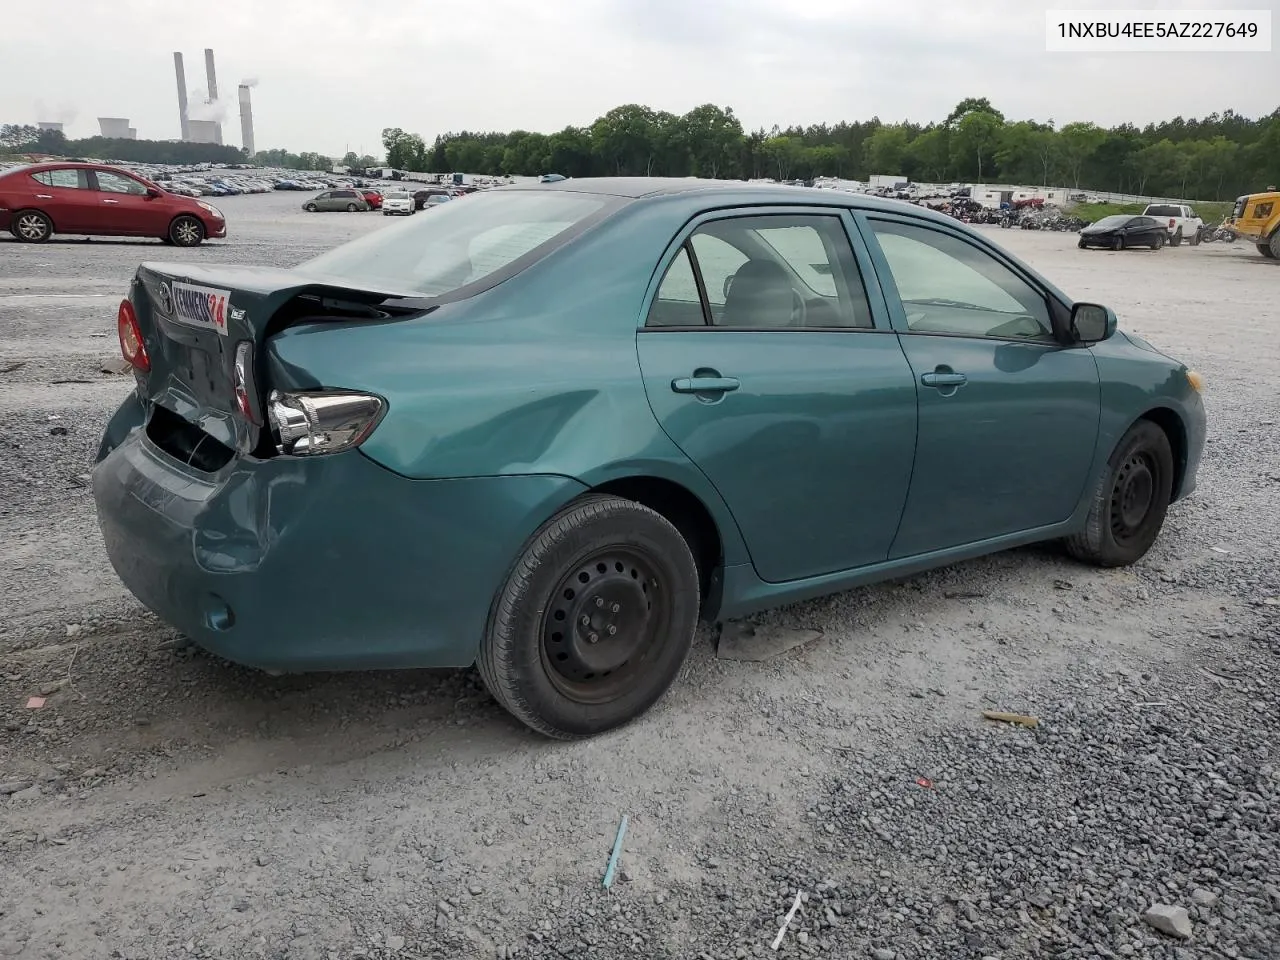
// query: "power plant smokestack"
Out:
[246,120]
[182,95]
[212,77]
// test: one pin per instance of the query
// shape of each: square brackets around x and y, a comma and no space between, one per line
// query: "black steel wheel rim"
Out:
[605,623]
[1133,495]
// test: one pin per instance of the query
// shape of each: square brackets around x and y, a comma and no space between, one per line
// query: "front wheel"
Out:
[1274,245]
[186,232]
[1080,243]
[1129,501]
[311,208]
[32,226]
[1117,243]
[594,621]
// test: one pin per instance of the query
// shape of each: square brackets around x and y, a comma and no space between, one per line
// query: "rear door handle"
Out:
[44,196]
[704,385]
[944,379]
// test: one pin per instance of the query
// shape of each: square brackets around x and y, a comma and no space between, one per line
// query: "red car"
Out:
[373,198]
[94,199]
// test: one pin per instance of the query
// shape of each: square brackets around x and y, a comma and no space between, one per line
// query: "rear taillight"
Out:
[1172,223]
[320,422]
[131,346]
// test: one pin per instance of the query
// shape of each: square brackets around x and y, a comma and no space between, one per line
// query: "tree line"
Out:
[23,139]
[1217,157]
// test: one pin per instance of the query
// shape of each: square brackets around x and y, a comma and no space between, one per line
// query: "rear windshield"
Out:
[396,196]
[1156,210]
[462,243]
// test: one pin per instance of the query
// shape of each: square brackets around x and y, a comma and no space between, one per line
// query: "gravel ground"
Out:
[165,804]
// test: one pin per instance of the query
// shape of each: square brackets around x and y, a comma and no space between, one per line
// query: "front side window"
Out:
[466,244]
[949,286]
[109,182]
[67,179]
[772,272]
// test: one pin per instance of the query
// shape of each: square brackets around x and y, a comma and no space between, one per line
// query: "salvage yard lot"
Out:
[163,803]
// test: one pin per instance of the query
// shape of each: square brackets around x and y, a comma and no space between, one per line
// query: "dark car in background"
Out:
[420,197]
[1120,232]
[96,199]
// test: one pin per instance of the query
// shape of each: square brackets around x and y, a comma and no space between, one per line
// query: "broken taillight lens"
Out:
[313,423]
[131,346]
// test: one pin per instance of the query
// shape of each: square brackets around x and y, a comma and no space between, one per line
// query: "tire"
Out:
[352,208]
[311,208]
[1117,243]
[1265,250]
[186,232]
[1130,500]
[31,226]
[600,558]
[1195,238]
[386,213]
[1158,243]
[1176,239]
[1274,244]
[1080,243]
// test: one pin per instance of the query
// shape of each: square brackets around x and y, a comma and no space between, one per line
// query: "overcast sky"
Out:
[331,76]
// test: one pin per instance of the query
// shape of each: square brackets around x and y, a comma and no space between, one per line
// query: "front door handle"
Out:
[107,200]
[944,380]
[44,196]
[704,385]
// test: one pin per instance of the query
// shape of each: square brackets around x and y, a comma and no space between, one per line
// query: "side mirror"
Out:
[153,193]
[1092,322]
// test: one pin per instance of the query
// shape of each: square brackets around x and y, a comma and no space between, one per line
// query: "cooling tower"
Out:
[246,120]
[182,95]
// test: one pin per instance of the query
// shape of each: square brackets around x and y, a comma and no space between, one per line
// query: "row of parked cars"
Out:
[393,201]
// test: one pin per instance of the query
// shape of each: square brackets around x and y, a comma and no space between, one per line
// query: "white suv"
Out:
[397,201]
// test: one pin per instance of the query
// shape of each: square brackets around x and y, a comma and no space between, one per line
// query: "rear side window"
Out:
[67,179]
[678,303]
[462,244]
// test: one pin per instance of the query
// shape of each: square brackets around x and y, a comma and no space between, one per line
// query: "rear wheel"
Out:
[1158,243]
[1265,250]
[352,208]
[1129,501]
[1274,245]
[186,232]
[1195,238]
[31,226]
[594,621]
[1176,239]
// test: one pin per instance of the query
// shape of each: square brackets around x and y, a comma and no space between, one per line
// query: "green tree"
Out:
[569,152]
[1154,160]
[784,153]
[974,140]
[972,105]
[929,155]
[713,138]
[886,150]
[1078,142]
[624,139]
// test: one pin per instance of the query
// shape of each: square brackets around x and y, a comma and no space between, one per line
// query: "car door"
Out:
[323,201]
[64,196]
[764,362]
[1008,416]
[122,206]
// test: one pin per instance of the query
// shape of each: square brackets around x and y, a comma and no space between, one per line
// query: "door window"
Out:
[950,286]
[677,303]
[773,272]
[68,179]
[118,183]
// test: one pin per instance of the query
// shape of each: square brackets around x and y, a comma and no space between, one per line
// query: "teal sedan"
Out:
[548,428]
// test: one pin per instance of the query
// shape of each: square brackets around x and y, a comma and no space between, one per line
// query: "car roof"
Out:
[655,188]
